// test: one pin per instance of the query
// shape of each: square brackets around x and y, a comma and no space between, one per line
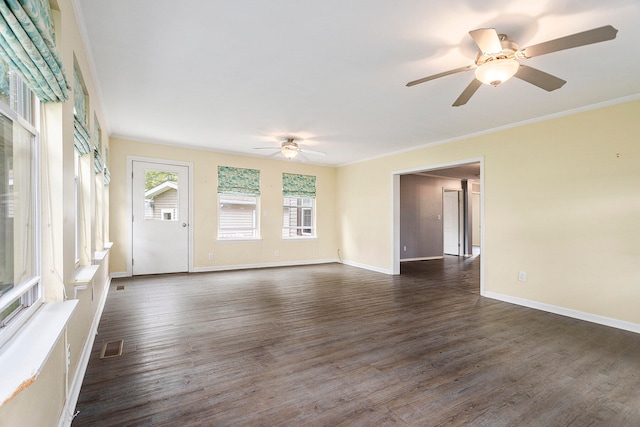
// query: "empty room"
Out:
[415,213]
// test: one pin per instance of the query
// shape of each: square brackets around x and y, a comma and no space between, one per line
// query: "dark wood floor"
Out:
[333,345]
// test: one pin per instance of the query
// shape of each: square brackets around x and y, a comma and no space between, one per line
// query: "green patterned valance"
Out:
[97,161]
[294,185]
[238,181]
[27,44]
[81,139]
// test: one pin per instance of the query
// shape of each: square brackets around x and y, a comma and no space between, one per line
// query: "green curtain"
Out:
[27,44]
[294,185]
[107,176]
[238,181]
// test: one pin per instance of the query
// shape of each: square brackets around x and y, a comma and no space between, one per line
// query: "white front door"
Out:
[160,220]
[451,222]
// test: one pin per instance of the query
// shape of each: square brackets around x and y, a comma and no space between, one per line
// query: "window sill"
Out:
[27,352]
[99,256]
[239,240]
[290,239]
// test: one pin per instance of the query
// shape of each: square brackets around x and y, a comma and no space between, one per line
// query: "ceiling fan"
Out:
[291,149]
[498,59]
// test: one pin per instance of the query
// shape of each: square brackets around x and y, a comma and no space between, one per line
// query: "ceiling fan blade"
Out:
[446,73]
[539,78]
[487,40]
[315,153]
[596,35]
[467,93]
[266,148]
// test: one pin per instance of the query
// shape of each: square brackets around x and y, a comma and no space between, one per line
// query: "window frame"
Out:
[301,208]
[256,218]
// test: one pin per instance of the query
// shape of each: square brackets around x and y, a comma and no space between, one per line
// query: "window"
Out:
[19,281]
[238,196]
[299,193]
[298,217]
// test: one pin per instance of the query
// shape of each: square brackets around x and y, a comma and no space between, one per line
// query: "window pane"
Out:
[7,208]
[161,196]
[17,260]
[237,217]
[297,219]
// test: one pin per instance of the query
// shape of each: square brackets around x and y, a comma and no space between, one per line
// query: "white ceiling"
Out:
[237,74]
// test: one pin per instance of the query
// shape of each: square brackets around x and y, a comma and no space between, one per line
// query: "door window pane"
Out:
[161,195]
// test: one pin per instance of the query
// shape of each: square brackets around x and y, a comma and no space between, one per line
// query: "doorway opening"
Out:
[438,212]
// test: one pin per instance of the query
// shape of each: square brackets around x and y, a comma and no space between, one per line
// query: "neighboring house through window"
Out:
[238,197]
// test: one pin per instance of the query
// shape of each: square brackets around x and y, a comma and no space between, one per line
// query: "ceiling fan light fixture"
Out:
[290,150]
[497,71]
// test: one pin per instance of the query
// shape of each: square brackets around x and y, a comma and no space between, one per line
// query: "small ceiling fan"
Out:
[291,149]
[498,59]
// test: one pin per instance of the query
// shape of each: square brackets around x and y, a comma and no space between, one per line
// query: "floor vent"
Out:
[120,288]
[111,349]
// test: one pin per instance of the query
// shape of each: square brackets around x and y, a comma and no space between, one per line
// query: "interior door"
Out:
[160,221]
[451,222]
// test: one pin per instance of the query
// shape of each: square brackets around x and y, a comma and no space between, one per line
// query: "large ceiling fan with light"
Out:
[499,59]
[290,149]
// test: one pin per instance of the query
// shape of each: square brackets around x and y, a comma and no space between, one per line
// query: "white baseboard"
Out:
[589,317]
[367,267]
[427,258]
[74,392]
[119,274]
[262,265]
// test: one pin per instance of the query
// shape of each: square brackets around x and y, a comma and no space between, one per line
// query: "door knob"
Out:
[184,224]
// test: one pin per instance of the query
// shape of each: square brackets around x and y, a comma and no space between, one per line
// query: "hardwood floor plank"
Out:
[340,346]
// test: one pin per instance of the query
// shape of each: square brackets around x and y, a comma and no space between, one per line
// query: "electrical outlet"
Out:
[277,253]
[522,276]
[211,256]
[405,248]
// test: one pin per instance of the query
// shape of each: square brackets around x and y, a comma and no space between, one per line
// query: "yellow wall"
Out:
[205,171]
[561,203]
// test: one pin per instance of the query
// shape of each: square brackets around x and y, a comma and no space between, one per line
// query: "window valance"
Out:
[27,44]
[294,185]
[97,161]
[107,176]
[81,138]
[238,181]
